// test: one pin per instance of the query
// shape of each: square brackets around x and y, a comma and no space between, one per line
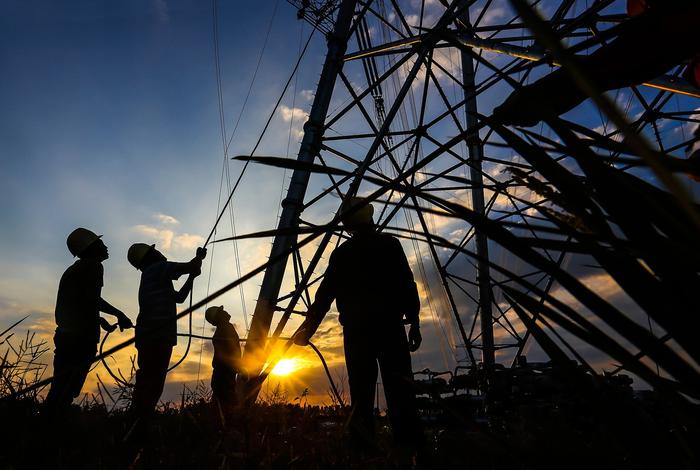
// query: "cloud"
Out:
[161,10]
[414,20]
[166,219]
[296,116]
[308,95]
[188,241]
[288,113]
[168,240]
[493,15]
[162,238]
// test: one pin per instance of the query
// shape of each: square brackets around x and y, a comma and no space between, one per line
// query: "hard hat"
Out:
[359,216]
[79,239]
[137,252]
[212,314]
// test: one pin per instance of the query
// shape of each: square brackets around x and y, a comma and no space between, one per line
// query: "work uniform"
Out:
[372,284]
[156,330]
[227,355]
[77,330]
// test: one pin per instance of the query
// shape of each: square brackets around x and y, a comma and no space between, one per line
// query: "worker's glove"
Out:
[201,253]
[124,322]
[107,326]
[414,338]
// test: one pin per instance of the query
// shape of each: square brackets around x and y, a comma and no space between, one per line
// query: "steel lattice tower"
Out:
[399,82]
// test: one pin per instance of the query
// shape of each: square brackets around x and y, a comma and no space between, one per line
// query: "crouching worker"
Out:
[227,356]
[78,306]
[156,324]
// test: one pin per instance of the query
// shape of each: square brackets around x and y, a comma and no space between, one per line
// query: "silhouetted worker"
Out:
[372,284]
[227,356]
[156,324]
[662,35]
[78,306]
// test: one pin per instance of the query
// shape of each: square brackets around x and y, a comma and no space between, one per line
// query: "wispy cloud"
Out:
[162,237]
[161,10]
[308,95]
[188,241]
[166,219]
[288,113]
[296,116]
[165,235]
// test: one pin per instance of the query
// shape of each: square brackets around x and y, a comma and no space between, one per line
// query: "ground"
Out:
[611,431]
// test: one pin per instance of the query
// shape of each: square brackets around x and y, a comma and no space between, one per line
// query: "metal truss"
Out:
[415,75]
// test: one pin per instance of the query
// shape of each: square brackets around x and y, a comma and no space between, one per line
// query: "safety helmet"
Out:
[137,252]
[359,216]
[212,314]
[79,239]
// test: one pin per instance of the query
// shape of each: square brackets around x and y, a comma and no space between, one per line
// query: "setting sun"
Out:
[285,367]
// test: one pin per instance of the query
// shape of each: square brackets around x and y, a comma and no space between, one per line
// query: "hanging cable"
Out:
[223,131]
[117,379]
[331,382]
[328,374]
[257,143]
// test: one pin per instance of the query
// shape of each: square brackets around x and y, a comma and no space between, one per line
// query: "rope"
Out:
[117,379]
[225,145]
[189,337]
[328,374]
[190,310]
[180,361]
[257,143]
[272,260]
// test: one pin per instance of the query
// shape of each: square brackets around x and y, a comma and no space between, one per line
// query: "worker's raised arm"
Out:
[192,267]
[181,295]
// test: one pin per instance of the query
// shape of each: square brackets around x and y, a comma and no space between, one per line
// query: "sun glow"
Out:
[285,367]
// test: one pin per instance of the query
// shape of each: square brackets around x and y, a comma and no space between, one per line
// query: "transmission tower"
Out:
[400,81]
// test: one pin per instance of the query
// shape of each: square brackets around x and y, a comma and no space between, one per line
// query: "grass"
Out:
[549,419]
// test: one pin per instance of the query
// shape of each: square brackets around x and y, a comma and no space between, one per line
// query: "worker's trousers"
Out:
[72,360]
[386,346]
[153,362]
[223,388]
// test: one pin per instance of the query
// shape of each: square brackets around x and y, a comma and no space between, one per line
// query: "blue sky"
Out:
[110,117]
[109,120]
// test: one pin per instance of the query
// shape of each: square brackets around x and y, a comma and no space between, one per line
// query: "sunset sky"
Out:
[109,120]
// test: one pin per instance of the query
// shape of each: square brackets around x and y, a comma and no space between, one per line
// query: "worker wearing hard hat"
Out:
[156,324]
[78,306]
[372,284]
[226,362]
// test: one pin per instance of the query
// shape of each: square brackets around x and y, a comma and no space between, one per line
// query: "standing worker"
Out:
[156,324]
[372,284]
[226,362]
[78,306]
